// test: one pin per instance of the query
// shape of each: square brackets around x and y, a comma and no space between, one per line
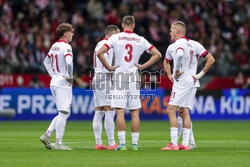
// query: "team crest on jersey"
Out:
[69,50]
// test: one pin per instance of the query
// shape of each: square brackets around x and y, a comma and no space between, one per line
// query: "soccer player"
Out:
[59,64]
[127,47]
[184,52]
[101,85]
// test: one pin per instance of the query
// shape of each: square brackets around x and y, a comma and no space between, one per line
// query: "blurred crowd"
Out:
[27,30]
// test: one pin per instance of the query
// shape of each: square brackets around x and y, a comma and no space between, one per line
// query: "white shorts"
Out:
[126,95]
[102,89]
[63,98]
[183,95]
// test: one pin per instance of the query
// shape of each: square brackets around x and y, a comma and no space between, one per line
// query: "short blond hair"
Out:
[180,25]
[128,20]
[62,28]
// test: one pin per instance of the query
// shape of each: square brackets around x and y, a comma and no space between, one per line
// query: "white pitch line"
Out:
[85,147]
[224,141]
[166,141]
[79,142]
[154,141]
[245,151]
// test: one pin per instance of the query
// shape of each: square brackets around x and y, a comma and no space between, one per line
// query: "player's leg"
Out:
[45,138]
[134,105]
[52,126]
[99,100]
[121,128]
[135,128]
[179,124]
[60,129]
[186,128]
[191,137]
[109,115]
[190,106]
[173,122]
[192,141]
[110,126]
[97,127]
[119,102]
[63,104]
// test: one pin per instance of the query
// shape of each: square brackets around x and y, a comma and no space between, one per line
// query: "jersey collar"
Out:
[128,32]
[61,41]
[105,39]
[185,38]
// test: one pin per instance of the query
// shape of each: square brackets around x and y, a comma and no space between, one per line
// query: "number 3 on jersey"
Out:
[129,48]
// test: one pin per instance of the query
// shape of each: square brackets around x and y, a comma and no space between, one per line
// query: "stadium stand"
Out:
[27,30]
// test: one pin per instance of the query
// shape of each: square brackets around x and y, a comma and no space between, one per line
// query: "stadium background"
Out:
[27,30]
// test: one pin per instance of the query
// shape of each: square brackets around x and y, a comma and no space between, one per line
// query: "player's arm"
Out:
[47,64]
[179,55]
[69,64]
[156,55]
[167,68]
[100,55]
[210,61]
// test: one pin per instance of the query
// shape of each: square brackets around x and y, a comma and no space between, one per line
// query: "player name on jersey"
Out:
[129,39]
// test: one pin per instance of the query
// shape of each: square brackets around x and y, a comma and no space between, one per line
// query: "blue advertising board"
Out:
[38,104]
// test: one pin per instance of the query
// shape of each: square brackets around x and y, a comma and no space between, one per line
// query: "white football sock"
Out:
[135,137]
[174,135]
[179,127]
[110,126]
[52,127]
[122,137]
[60,126]
[186,134]
[97,126]
[192,142]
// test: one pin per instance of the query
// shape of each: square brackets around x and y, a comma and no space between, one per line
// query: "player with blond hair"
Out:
[185,54]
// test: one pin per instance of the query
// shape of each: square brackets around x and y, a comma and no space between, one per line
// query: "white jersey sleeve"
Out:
[200,50]
[147,46]
[169,53]
[68,51]
[98,66]
[47,64]
[110,42]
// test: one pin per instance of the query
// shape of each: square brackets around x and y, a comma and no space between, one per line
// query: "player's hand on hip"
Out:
[177,74]
[68,79]
[112,68]
[139,66]
[171,78]
[195,79]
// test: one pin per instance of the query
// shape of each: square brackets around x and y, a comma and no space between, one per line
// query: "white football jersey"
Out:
[98,66]
[127,47]
[57,55]
[189,63]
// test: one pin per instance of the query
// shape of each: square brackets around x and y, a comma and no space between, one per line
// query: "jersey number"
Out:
[172,95]
[192,54]
[56,60]
[130,49]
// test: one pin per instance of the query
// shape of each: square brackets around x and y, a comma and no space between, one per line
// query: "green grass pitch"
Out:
[220,143]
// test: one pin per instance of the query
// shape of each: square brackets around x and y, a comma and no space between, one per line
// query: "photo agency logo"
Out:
[120,81]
